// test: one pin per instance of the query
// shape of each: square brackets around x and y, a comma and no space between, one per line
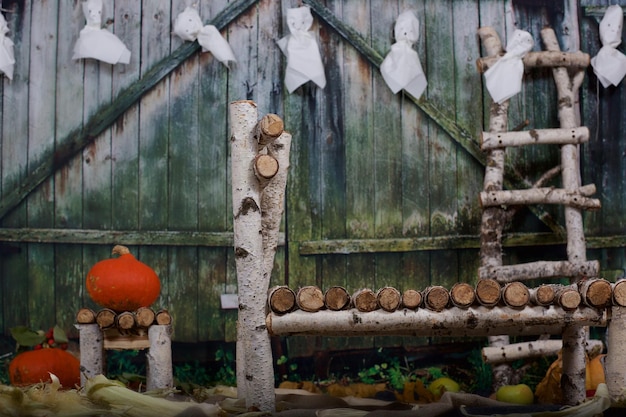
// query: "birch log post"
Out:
[615,362]
[273,194]
[567,85]
[91,341]
[160,374]
[534,349]
[494,218]
[255,373]
[450,322]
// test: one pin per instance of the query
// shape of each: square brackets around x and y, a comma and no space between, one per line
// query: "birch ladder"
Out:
[568,72]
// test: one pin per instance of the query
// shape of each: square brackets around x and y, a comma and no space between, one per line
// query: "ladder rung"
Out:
[545,195]
[540,269]
[491,140]
[542,59]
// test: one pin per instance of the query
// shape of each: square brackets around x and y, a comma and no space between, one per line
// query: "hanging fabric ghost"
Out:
[401,68]
[96,42]
[7,59]
[304,62]
[188,26]
[504,78]
[610,64]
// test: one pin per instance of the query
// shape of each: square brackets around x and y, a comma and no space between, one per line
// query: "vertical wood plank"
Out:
[153,142]
[68,266]
[213,183]
[42,93]
[14,166]
[183,195]
[416,173]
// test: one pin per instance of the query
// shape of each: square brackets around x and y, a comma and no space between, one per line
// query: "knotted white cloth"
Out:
[189,27]
[610,64]
[7,59]
[96,42]
[504,78]
[401,68]
[304,62]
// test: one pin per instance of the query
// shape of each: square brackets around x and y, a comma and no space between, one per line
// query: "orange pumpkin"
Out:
[594,374]
[123,283]
[34,366]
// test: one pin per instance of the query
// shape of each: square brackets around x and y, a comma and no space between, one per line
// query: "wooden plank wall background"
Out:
[380,192]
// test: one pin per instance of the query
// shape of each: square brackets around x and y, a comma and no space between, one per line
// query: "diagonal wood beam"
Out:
[107,114]
[463,138]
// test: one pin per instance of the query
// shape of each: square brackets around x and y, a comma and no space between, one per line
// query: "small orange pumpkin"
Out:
[34,366]
[123,283]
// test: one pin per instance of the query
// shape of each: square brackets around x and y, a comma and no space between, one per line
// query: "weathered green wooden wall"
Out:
[382,190]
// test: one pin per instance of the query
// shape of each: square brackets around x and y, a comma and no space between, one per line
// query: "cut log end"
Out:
[462,295]
[436,298]
[488,292]
[310,298]
[281,300]
[266,166]
[105,318]
[619,293]
[411,299]
[596,293]
[125,320]
[85,316]
[389,298]
[144,316]
[364,300]
[337,298]
[515,294]
[163,318]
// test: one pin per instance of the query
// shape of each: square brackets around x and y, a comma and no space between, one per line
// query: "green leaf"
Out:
[26,337]
[59,335]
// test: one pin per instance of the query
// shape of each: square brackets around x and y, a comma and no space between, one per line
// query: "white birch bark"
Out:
[160,374]
[574,337]
[615,362]
[494,218]
[273,201]
[255,372]
[91,342]
[574,197]
[540,269]
[453,321]
[490,140]
[534,349]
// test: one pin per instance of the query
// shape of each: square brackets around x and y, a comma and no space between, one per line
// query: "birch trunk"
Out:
[451,322]
[255,372]
[547,195]
[159,370]
[91,342]
[490,140]
[567,85]
[540,269]
[615,363]
[535,349]
[542,59]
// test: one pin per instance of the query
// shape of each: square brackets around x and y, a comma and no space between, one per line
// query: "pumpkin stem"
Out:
[120,250]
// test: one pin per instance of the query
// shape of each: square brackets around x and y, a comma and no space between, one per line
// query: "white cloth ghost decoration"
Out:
[304,62]
[610,64]
[401,68]
[504,78]
[96,42]
[7,59]
[188,26]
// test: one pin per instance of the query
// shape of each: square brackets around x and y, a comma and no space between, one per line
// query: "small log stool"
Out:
[138,330]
